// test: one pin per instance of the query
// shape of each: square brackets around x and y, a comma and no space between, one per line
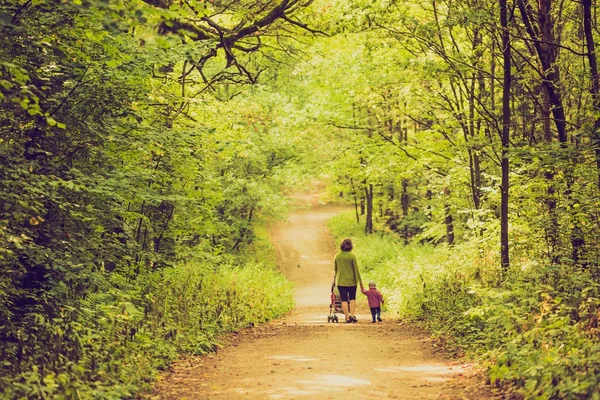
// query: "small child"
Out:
[375,300]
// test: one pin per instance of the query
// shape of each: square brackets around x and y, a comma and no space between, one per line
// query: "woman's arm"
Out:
[356,271]
[335,270]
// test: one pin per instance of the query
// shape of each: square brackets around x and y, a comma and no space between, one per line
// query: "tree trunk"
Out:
[473,129]
[545,111]
[405,204]
[164,228]
[547,36]
[448,220]
[404,198]
[594,77]
[369,218]
[506,55]
[355,200]
[547,57]
[577,243]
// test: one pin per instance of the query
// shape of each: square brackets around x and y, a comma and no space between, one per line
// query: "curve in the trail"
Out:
[304,357]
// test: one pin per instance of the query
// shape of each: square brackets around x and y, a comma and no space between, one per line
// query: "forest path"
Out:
[303,357]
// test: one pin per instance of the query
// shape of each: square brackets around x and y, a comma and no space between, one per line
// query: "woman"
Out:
[346,278]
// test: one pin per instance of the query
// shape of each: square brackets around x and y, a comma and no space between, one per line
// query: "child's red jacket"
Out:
[374,296]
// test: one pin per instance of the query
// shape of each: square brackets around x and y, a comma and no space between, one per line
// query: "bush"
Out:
[112,343]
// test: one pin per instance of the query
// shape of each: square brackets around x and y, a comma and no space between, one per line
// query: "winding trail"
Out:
[303,357]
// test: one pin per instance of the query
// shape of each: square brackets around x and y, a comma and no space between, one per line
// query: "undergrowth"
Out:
[111,344]
[535,329]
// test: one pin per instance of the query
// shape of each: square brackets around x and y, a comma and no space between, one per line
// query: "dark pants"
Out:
[376,312]
[347,293]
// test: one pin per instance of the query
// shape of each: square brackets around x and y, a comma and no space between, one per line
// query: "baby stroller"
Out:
[335,306]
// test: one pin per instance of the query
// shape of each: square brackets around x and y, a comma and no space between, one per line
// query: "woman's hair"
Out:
[346,245]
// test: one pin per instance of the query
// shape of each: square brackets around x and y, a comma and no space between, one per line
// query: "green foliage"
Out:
[537,330]
[132,155]
[128,196]
[414,107]
[112,343]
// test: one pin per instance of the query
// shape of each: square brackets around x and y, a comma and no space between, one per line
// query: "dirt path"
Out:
[304,357]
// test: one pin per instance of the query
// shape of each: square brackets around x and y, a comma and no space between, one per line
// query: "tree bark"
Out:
[474,164]
[405,204]
[355,200]
[362,205]
[448,219]
[546,55]
[547,37]
[594,77]
[369,218]
[506,55]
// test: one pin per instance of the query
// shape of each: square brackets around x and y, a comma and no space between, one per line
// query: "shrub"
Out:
[111,344]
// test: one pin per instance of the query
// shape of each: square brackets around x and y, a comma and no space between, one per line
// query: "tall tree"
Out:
[588,24]
[506,118]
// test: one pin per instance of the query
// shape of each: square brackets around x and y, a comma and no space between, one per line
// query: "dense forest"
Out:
[145,144]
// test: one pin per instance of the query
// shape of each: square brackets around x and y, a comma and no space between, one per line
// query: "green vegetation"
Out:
[469,147]
[110,344]
[145,143]
[128,210]
[536,330]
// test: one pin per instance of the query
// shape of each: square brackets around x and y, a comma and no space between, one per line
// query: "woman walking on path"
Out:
[346,277]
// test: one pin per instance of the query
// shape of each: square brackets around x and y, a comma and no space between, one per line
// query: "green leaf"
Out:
[50,121]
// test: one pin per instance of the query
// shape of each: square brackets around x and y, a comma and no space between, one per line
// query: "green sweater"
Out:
[346,269]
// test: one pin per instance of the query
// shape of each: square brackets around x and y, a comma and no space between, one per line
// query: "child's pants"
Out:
[376,312]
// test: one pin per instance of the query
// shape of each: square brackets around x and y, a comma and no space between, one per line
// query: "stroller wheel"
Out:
[335,319]
[329,319]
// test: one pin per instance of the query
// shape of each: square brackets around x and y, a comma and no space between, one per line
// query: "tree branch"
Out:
[71,91]
[304,26]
